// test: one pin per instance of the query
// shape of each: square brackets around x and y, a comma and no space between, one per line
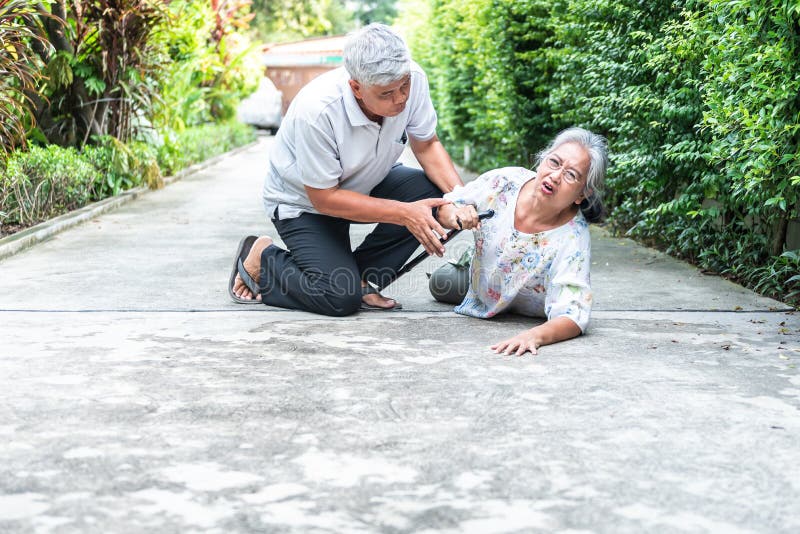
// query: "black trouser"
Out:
[320,272]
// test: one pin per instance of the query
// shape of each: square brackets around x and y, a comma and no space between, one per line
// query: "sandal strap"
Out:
[247,279]
[368,290]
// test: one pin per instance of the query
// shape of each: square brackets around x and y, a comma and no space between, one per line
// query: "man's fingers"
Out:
[435,202]
[436,244]
[433,237]
[430,242]
[439,229]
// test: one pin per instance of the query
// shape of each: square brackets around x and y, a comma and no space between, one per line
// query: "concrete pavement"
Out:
[137,398]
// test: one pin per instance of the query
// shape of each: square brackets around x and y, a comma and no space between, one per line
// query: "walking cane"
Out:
[422,255]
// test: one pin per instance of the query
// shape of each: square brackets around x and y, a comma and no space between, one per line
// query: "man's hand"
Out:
[420,222]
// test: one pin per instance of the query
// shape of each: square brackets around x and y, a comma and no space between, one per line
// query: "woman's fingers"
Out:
[514,346]
[468,216]
[503,346]
[472,217]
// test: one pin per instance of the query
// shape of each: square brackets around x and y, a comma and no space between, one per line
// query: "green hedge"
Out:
[45,182]
[193,145]
[700,101]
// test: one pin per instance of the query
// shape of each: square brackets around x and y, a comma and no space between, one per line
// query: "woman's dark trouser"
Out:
[320,272]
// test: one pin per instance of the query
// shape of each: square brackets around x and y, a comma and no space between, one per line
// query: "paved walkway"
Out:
[137,398]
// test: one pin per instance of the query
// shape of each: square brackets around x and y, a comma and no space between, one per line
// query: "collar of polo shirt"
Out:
[355,114]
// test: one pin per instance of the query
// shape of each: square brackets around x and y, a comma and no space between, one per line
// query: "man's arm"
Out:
[436,163]
[416,216]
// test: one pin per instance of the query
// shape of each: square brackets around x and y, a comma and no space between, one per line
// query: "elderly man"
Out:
[334,162]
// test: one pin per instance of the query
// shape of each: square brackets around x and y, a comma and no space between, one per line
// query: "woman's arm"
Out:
[467,199]
[552,331]
[568,299]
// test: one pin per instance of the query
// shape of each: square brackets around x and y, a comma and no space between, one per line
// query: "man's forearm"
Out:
[436,163]
[356,206]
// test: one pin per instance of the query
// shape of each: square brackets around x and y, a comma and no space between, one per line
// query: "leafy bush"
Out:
[211,63]
[490,74]
[182,149]
[123,166]
[700,101]
[101,70]
[127,68]
[44,183]
[18,34]
[48,181]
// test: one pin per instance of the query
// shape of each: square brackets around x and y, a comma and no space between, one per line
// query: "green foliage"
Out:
[368,11]
[779,278]
[292,20]
[279,21]
[123,82]
[44,183]
[488,69]
[123,166]
[700,100]
[49,181]
[753,105]
[182,149]
[125,68]
[210,67]
[101,70]
[18,33]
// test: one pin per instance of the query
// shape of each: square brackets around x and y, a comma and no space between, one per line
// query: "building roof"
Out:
[316,51]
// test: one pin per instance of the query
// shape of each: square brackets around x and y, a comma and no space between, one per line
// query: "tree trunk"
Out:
[53,23]
[779,238]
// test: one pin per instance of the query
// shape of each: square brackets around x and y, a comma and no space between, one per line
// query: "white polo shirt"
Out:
[326,140]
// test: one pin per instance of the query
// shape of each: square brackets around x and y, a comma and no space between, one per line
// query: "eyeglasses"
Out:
[570,176]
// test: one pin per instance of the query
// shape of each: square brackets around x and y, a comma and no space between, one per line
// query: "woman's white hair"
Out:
[375,55]
[597,148]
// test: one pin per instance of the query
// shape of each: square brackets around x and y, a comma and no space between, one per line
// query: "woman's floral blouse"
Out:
[543,275]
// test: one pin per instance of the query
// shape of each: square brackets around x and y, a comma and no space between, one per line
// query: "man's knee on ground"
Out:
[342,305]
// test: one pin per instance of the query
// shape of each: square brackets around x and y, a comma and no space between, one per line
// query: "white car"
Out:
[263,108]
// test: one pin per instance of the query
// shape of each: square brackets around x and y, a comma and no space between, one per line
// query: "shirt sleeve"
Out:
[422,119]
[317,155]
[568,288]
[480,192]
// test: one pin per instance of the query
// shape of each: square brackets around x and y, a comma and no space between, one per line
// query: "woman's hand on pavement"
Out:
[518,345]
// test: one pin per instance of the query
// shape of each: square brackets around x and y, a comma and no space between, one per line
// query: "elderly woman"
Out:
[533,256]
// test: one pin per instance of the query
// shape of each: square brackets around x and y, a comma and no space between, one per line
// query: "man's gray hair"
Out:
[597,147]
[375,55]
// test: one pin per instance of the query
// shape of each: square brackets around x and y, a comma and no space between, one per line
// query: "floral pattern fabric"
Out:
[541,275]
